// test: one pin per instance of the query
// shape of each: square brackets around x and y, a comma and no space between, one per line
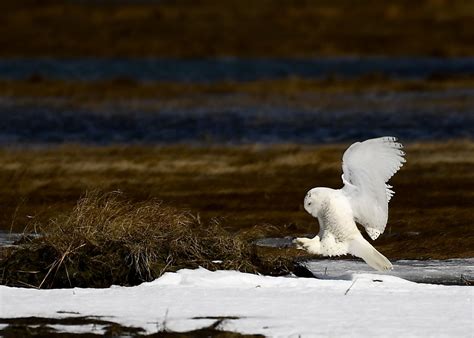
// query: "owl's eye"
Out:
[309,203]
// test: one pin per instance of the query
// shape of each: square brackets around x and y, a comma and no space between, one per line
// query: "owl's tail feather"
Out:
[361,248]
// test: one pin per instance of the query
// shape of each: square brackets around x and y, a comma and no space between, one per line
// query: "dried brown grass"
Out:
[208,28]
[88,92]
[107,239]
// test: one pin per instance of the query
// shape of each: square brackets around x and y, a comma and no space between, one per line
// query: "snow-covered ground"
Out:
[362,305]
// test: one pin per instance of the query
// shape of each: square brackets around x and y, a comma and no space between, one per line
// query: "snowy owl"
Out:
[366,166]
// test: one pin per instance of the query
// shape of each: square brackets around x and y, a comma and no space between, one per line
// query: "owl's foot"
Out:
[312,245]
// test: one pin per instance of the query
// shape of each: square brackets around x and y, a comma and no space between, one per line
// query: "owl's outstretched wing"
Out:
[367,166]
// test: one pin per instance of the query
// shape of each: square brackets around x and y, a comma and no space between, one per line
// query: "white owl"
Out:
[367,166]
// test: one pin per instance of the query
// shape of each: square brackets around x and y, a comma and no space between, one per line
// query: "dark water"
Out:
[233,69]
[239,119]
[236,119]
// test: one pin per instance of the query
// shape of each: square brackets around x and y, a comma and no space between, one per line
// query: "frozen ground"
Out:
[357,305]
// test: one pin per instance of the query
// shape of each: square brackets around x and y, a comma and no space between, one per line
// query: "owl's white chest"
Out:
[336,217]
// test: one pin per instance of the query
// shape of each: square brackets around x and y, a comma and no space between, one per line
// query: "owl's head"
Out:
[313,201]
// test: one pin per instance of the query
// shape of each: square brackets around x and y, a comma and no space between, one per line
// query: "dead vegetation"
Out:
[207,28]
[107,239]
[44,327]
[80,92]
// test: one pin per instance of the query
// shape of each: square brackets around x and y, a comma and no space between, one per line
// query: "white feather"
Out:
[367,166]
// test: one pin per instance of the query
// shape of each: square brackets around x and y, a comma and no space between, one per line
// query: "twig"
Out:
[27,284]
[347,291]
[67,274]
[24,271]
[61,261]
[163,324]
[49,271]
[15,213]
[169,260]
[57,264]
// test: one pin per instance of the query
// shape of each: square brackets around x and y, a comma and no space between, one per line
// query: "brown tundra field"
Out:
[235,193]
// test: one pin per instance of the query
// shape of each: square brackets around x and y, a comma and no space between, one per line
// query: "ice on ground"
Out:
[7,238]
[366,305]
[450,271]
[79,329]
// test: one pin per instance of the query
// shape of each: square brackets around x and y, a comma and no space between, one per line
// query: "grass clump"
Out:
[107,239]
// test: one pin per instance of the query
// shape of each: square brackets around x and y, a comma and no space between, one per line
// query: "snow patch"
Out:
[367,305]
[78,329]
